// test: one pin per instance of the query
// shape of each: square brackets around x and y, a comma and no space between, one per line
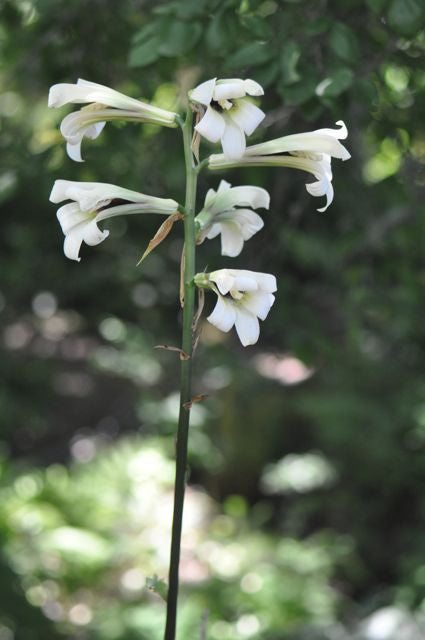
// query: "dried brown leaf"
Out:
[161,234]
[167,347]
[194,400]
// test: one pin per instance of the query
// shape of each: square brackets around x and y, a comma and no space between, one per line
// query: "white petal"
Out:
[321,188]
[80,123]
[265,281]
[229,89]
[258,303]
[86,92]
[213,231]
[93,235]
[72,245]
[211,126]
[340,133]
[223,186]
[244,282]
[71,216]
[94,130]
[209,198]
[211,194]
[313,142]
[247,326]
[233,140]
[253,88]
[223,316]
[231,239]
[248,222]
[243,196]
[59,191]
[203,93]
[74,151]
[246,115]
[223,279]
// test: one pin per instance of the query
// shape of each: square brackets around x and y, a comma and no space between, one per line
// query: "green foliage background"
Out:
[306,506]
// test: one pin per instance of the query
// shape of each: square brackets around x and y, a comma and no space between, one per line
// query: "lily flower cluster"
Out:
[227,114]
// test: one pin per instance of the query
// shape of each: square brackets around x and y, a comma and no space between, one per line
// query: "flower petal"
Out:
[233,140]
[74,151]
[248,221]
[212,125]
[93,235]
[247,326]
[223,279]
[243,196]
[258,303]
[223,186]
[223,315]
[243,282]
[59,191]
[72,245]
[322,187]
[231,239]
[203,93]
[213,231]
[71,216]
[246,115]
[229,89]
[253,88]
[340,133]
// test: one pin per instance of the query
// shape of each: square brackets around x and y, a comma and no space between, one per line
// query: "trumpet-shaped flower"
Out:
[310,152]
[90,120]
[221,215]
[243,297]
[96,201]
[229,114]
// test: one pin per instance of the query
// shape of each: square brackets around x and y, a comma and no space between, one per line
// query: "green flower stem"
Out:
[186,378]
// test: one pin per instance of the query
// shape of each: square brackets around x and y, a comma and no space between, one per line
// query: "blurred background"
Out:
[305,509]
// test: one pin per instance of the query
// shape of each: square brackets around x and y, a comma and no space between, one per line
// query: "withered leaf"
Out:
[161,234]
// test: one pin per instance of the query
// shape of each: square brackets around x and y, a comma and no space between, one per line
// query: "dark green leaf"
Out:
[266,75]
[289,59]
[406,16]
[250,55]
[144,54]
[216,33]
[179,37]
[335,83]
[191,8]
[298,93]
[144,33]
[377,6]
[259,27]
[343,42]
[315,27]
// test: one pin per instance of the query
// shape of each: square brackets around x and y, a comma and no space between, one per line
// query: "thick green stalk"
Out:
[186,378]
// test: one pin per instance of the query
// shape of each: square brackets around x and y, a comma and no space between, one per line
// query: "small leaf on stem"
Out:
[158,586]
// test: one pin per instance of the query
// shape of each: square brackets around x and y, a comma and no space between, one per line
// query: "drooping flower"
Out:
[221,215]
[104,104]
[243,297]
[310,152]
[96,201]
[229,115]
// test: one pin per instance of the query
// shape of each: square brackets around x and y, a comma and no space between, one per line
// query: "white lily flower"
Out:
[310,152]
[229,115]
[90,120]
[220,215]
[96,201]
[243,297]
